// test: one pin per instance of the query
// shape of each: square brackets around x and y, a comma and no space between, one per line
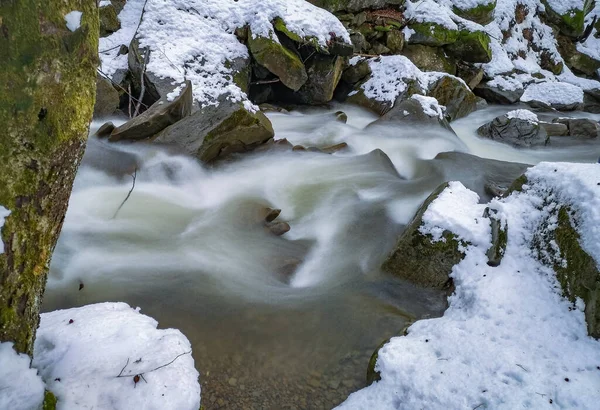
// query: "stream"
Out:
[276,322]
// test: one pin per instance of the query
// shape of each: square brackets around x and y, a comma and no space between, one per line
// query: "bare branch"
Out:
[128,195]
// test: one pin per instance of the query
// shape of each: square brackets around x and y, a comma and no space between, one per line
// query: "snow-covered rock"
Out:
[509,338]
[561,96]
[519,128]
[108,355]
[20,386]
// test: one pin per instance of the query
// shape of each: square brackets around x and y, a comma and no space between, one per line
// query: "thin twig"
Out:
[275,80]
[165,365]
[123,369]
[128,195]
[103,74]
[143,86]
[475,408]
[309,56]
[522,367]
[110,49]
[130,96]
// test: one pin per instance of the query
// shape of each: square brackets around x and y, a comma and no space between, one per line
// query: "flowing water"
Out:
[276,322]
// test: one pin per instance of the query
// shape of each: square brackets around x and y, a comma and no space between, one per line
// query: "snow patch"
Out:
[525,115]
[553,93]
[79,353]
[430,105]
[20,386]
[73,20]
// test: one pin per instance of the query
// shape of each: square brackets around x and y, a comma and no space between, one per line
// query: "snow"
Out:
[4,213]
[525,115]
[73,20]
[553,93]
[508,339]
[430,105]
[565,6]
[391,75]
[195,39]
[20,387]
[429,11]
[109,46]
[80,352]
[471,4]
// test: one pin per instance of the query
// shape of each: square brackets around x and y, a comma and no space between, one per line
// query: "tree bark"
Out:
[47,92]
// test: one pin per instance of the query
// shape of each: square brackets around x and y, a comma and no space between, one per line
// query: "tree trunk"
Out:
[47,92]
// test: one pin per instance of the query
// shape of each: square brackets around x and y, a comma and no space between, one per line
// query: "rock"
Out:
[156,118]
[156,88]
[451,92]
[118,5]
[278,228]
[109,22]
[572,23]
[360,42]
[378,48]
[482,14]
[394,40]
[107,98]
[105,129]
[580,127]
[279,60]
[354,5]
[591,104]
[358,97]
[471,46]
[215,131]
[341,116]
[469,74]
[357,72]
[418,259]
[576,60]
[431,34]
[499,238]
[514,131]
[497,95]
[271,214]
[555,129]
[411,112]
[428,58]
[324,74]
[335,148]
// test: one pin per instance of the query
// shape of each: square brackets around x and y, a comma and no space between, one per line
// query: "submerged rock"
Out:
[516,131]
[419,259]
[215,131]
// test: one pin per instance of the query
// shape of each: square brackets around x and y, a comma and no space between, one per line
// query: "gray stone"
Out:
[458,99]
[581,127]
[410,112]
[497,95]
[514,131]
[216,131]
[555,129]
[155,119]
[428,58]
[354,5]
[107,98]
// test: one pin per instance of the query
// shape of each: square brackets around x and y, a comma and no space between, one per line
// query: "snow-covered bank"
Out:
[109,355]
[509,339]
[20,387]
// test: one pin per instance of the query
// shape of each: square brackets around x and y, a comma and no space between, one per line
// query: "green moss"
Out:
[280,26]
[279,60]
[373,375]
[49,401]
[109,21]
[579,277]
[432,34]
[482,14]
[516,186]
[472,47]
[47,91]
[384,29]
[572,23]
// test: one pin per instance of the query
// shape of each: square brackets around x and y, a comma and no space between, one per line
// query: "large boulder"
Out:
[482,13]
[417,111]
[494,92]
[107,98]
[429,58]
[519,128]
[431,34]
[455,95]
[215,131]
[553,95]
[324,74]
[576,60]
[584,128]
[158,117]
[286,64]
[569,19]
[471,46]
[420,259]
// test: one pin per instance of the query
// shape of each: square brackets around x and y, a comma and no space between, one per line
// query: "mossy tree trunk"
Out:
[47,92]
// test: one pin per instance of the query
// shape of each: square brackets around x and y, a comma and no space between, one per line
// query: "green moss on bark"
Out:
[49,401]
[47,91]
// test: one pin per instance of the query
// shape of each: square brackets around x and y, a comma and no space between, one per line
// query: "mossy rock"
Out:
[394,40]
[572,23]
[580,277]
[428,58]
[324,74]
[354,5]
[421,260]
[279,60]
[356,72]
[216,131]
[455,95]
[432,34]
[109,22]
[372,374]
[107,98]
[472,47]
[576,60]
[482,14]
[382,107]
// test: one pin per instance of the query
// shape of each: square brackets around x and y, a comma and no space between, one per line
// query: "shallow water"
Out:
[275,322]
